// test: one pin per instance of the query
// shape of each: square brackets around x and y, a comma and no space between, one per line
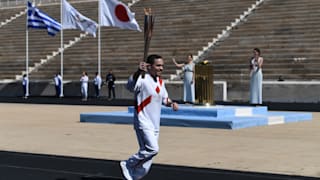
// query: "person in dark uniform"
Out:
[58,83]
[110,79]
[25,86]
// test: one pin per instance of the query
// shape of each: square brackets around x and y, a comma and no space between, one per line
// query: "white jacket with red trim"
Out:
[149,97]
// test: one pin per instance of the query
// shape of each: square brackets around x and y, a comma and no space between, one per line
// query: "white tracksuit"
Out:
[150,94]
[84,86]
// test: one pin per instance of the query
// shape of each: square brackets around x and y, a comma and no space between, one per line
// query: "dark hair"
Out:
[151,58]
[258,50]
[190,55]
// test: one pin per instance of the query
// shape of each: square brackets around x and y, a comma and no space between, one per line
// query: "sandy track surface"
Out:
[55,129]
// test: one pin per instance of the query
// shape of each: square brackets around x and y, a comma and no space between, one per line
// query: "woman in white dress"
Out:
[256,77]
[188,79]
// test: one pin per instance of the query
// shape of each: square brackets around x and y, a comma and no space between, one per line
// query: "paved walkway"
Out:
[55,129]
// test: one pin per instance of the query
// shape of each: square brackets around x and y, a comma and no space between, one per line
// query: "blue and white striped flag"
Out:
[39,20]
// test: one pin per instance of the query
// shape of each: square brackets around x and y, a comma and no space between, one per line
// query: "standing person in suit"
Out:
[110,80]
[97,84]
[25,86]
[58,82]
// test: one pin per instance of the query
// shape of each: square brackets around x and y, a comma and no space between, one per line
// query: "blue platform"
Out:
[226,117]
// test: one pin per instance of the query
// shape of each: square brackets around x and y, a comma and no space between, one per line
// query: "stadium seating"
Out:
[13,44]
[285,31]
[181,27]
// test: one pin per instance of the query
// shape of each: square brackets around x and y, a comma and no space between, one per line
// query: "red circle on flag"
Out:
[121,13]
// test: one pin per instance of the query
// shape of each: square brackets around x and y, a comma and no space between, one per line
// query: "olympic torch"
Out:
[148,29]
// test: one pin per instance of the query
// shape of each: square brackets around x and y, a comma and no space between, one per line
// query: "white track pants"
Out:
[139,164]
[84,90]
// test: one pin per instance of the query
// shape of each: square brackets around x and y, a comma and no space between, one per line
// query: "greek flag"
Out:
[39,20]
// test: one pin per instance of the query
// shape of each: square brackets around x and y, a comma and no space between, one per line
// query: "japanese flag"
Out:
[116,14]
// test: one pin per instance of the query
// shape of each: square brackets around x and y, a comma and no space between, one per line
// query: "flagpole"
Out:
[27,54]
[62,49]
[99,39]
